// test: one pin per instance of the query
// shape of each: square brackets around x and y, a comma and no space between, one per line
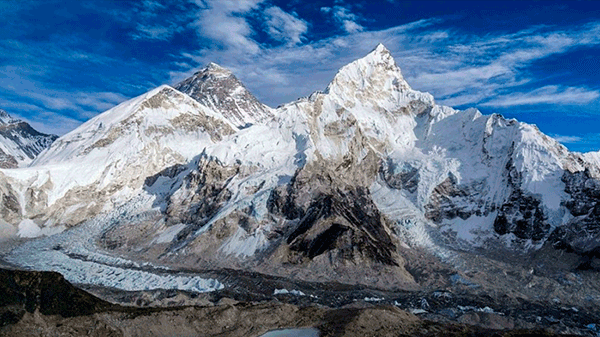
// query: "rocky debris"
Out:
[217,88]
[42,303]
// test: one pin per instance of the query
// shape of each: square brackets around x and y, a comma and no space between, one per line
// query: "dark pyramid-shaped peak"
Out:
[217,88]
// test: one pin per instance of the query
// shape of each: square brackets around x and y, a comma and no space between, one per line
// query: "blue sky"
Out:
[62,62]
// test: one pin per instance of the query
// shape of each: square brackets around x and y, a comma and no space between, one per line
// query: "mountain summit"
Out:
[19,142]
[5,118]
[217,88]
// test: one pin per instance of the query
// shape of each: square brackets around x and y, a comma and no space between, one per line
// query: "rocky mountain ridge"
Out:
[19,142]
[218,89]
[346,185]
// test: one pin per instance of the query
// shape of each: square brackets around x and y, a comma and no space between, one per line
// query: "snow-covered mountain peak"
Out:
[110,156]
[215,69]
[376,69]
[217,88]
[380,55]
[5,118]
[19,142]
[156,116]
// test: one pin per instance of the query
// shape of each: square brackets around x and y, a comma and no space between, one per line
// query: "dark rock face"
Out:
[48,292]
[7,161]
[450,200]
[9,203]
[344,222]
[169,172]
[406,179]
[17,134]
[218,88]
[522,213]
[581,235]
[26,138]
[206,192]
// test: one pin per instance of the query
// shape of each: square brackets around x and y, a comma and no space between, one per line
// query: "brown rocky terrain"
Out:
[44,304]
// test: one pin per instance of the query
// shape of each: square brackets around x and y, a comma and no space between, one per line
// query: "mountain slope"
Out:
[108,158]
[217,88]
[19,142]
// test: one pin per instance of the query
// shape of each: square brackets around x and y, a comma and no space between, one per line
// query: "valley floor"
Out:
[44,304]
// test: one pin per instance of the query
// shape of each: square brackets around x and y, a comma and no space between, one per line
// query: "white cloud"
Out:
[223,23]
[153,32]
[159,21]
[343,16]
[100,101]
[567,139]
[458,69]
[151,7]
[283,26]
[550,94]
[352,27]
[582,143]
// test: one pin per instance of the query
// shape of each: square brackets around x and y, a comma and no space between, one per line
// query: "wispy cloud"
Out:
[159,21]
[153,32]
[567,139]
[41,119]
[276,53]
[582,142]
[344,16]
[223,23]
[279,74]
[283,26]
[459,69]
[550,94]
[33,86]
[466,69]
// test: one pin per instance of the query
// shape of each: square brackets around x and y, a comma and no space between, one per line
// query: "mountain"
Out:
[19,142]
[94,166]
[217,88]
[345,178]
[367,182]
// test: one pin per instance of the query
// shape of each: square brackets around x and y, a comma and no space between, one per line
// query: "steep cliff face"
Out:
[19,142]
[581,234]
